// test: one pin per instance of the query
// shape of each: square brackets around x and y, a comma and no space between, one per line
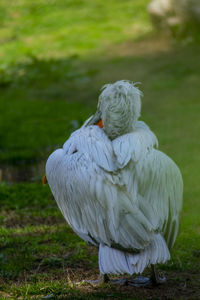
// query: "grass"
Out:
[60,28]
[43,45]
[41,255]
[53,61]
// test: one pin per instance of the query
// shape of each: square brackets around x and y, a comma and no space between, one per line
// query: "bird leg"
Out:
[155,278]
[105,278]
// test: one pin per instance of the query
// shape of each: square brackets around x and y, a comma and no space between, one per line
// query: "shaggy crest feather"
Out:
[120,106]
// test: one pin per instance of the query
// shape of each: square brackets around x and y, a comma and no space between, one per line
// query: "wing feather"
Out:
[117,193]
[92,195]
[152,178]
[161,187]
[134,145]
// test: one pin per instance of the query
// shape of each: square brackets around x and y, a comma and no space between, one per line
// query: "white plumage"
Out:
[115,189]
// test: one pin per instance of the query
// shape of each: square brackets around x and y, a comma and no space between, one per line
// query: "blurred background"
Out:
[55,55]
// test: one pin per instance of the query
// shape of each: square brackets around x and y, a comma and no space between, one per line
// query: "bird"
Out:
[115,189]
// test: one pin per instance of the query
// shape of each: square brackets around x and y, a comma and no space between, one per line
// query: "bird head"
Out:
[118,107]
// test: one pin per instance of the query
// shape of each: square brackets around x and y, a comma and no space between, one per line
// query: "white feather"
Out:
[120,194]
[118,262]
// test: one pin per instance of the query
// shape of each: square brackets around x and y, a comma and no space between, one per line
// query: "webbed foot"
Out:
[119,281]
[139,281]
[103,278]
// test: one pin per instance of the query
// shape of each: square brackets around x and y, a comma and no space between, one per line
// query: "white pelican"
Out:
[115,189]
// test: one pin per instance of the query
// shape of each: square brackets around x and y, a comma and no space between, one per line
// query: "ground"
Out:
[53,62]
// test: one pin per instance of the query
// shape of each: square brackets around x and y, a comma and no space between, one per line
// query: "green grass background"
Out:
[54,58]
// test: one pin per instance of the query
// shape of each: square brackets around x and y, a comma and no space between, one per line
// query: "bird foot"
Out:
[139,281]
[119,281]
[142,281]
[103,278]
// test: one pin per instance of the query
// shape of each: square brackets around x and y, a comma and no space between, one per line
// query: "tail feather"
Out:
[113,261]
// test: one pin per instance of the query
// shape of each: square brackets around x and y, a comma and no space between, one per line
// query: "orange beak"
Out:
[100,124]
[44,180]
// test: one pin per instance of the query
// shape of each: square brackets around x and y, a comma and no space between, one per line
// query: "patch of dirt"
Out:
[178,285]
[15,220]
[138,48]
[25,173]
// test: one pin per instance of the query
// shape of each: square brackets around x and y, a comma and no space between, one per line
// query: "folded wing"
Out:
[152,178]
[90,188]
